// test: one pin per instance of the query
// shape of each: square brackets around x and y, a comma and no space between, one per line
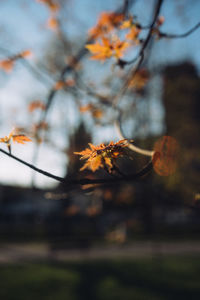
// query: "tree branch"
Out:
[84,181]
[140,56]
[131,146]
[171,35]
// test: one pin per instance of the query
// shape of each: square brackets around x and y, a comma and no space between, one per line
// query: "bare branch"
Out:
[84,181]
[131,146]
[171,35]
[140,56]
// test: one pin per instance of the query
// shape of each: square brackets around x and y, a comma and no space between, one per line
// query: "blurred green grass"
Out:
[149,279]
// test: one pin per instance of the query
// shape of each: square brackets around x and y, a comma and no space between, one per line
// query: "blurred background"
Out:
[138,240]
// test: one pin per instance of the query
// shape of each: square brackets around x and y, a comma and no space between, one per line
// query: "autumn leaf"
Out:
[102,155]
[106,23]
[36,104]
[100,51]
[96,112]
[52,23]
[19,138]
[133,34]
[165,156]
[25,53]
[107,49]
[160,20]
[127,23]
[85,108]
[7,65]
[60,84]
[52,5]
[140,79]
[6,139]
[134,30]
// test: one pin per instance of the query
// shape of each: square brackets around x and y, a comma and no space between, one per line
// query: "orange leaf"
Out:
[25,53]
[98,156]
[7,65]
[160,20]
[35,105]
[59,85]
[97,113]
[96,163]
[51,4]
[133,34]
[21,139]
[106,23]
[165,156]
[70,82]
[52,23]
[139,80]
[107,49]
[134,30]
[85,108]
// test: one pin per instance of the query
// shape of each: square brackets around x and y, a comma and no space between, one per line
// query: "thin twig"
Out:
[171,35]
[133,72]
[161,35]
[131,146]
[84,181]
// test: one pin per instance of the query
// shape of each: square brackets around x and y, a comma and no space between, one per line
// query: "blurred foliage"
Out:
[153,279]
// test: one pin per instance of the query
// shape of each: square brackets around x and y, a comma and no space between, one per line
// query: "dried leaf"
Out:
[36,104]
[97,113]
[59,85]
[166,155]
[85,108]
[52,5]
[7,65]
[139,80]
[106,23]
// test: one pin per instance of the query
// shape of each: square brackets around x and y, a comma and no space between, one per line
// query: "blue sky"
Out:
[23,26]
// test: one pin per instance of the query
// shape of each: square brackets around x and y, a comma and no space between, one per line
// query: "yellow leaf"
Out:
[21,139]
[107,49]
